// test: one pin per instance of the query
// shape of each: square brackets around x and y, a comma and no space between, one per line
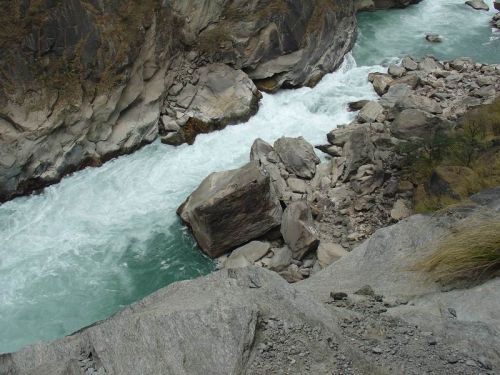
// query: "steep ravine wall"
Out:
[82,81]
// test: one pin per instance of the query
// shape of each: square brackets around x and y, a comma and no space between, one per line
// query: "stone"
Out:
[231,208]
[260,150]
[297,185]
[358,151]
[400,210]
[477,4]
[411,123]
[252,251]
[429,64]
[368,178]
[298,156]
[434,38]
[292,274]
[297,228]
[370,112]
[423,103]
[338,296]
[281,259]
[381,83]
[366,290]
[357,105]
[409,64]
[236,262]
[396,71]
[328,253]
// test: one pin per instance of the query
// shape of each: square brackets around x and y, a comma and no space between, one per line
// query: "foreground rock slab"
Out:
[231,208]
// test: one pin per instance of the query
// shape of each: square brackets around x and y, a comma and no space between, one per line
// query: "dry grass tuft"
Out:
[471,252]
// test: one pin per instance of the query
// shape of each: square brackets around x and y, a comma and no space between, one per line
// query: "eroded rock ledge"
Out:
[82,82]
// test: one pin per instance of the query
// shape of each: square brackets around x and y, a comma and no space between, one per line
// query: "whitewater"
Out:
[105,237]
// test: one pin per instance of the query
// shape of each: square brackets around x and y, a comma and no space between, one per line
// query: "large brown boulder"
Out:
[231,208]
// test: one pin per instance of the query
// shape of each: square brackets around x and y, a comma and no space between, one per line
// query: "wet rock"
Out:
[298,230]
[477,4]
[434,38]
[298,156]
[356,106]
[231,208]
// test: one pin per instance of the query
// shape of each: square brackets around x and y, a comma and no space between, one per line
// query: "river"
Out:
[105,237]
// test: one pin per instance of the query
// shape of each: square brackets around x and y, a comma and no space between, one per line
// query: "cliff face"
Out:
[82,81]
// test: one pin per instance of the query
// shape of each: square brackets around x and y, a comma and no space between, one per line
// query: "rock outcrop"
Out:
[82,82]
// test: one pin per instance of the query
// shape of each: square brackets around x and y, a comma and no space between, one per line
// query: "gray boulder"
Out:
[396,71]
[252,251]
[434,38]
[231,208]
[298,156]
[281,259]
[298,229]
[409,64]
[478,4]
[417,123]
[358,150]
[370,112]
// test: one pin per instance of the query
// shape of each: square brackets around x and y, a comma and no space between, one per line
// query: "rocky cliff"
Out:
[365,314]
[83,81]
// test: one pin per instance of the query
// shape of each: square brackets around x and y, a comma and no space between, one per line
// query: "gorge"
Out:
[105,237]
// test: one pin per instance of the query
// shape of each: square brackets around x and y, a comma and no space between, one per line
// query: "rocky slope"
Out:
[330,207]
[365,314]
[83,81]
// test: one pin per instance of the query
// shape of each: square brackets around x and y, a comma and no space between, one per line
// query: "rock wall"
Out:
[84,81]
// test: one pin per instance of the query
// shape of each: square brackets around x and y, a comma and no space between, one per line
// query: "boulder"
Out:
[298,229]
[477,4]
[259,151]
[434,38]
[357,105]
[414,101]
[368,178]
[409,64]
[370,112]
[252,251]
[231,208]
[222,96]
[298,156]
[358,150]
[396,71]
[329,252]
[381,83]
[400,210]
[281,259]
[429,64]
[411,123]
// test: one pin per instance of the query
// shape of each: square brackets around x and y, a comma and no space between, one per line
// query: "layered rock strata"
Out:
[82,82]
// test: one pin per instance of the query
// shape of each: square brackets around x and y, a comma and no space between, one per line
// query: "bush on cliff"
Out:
[470,252]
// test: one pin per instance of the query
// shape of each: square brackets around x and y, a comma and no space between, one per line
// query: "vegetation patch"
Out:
[471,252]
[447,167]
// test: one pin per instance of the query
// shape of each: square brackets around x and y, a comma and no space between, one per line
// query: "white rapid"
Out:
[105,237]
